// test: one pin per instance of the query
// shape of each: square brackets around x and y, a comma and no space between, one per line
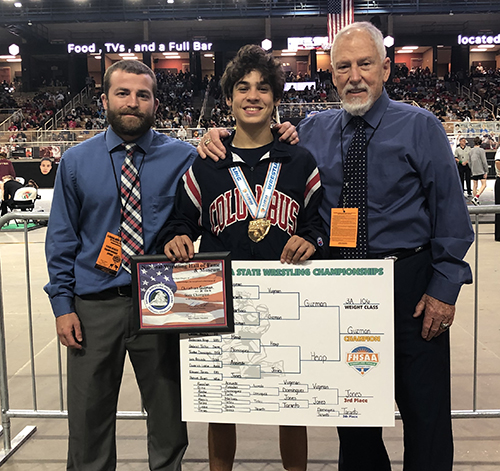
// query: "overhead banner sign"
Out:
[172,46]
[317,42]
[475,40]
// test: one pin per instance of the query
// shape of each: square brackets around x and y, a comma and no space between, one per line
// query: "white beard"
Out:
[356,106]
[358,109]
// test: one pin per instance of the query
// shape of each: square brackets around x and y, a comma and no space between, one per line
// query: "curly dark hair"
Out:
[253,57]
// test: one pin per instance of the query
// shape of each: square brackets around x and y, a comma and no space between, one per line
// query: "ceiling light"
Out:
[388,41]
[288,53]
[266,44]
[130,58]
[7,57]
[477,49]
[208,55]
[14,60]
[18,4]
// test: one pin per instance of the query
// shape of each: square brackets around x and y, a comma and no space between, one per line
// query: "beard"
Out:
[126,126]
[357,107]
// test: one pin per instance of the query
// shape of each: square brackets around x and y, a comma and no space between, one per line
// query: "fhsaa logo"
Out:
[362,359]
[159,299]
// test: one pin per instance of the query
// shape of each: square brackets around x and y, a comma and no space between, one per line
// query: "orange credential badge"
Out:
[344,227]
[110,258]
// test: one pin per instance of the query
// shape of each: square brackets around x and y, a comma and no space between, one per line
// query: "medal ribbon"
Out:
[257,211]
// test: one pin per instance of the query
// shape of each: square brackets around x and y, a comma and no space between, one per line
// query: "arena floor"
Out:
[477,441]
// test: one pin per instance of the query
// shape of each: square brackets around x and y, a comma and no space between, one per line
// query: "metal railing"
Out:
[63,139]
[66,109]
[489,106]
[302,110]
[476,98]
[204,105]
[463,91]
[12,444]
[6,123]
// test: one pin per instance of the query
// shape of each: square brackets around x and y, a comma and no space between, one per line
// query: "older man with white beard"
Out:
[415,213]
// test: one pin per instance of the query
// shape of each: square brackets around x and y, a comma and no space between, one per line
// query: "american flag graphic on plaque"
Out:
[177,295]
[340,14]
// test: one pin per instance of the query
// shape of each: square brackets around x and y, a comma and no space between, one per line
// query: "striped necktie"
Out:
[355,188]
[131,217]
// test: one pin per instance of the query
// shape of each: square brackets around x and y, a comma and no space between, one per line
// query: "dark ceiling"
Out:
[58,11]
[143,20]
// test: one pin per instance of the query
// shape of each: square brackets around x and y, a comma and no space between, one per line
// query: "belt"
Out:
[110,293]
[401,253]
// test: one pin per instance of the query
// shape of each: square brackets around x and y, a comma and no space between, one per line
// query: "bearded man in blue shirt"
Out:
[100,207]
[417,215]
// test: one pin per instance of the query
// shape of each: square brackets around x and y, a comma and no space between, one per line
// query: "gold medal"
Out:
[258,229]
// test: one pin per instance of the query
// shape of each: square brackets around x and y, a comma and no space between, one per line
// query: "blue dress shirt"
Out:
[86,205]
[414,194]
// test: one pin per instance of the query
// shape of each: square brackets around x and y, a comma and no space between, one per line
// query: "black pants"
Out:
[5,206]
[422,379]
[497,216]
[94,377]
[465,175]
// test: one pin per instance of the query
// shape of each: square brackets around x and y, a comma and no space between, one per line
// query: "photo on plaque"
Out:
[194,296]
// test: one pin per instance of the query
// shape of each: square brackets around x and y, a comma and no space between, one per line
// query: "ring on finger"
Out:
[445,325]
[207,141]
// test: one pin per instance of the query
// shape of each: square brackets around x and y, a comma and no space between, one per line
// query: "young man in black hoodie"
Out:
[261,203]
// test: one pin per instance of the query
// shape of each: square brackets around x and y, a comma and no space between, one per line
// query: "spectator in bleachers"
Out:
[45,165]
[9,188]
[462,154]
[479,169]
[182,133]
[6,167]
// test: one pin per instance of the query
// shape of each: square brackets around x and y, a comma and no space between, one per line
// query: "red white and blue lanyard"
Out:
[257,210]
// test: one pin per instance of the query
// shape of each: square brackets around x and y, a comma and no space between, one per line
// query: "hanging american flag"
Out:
[340,14]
